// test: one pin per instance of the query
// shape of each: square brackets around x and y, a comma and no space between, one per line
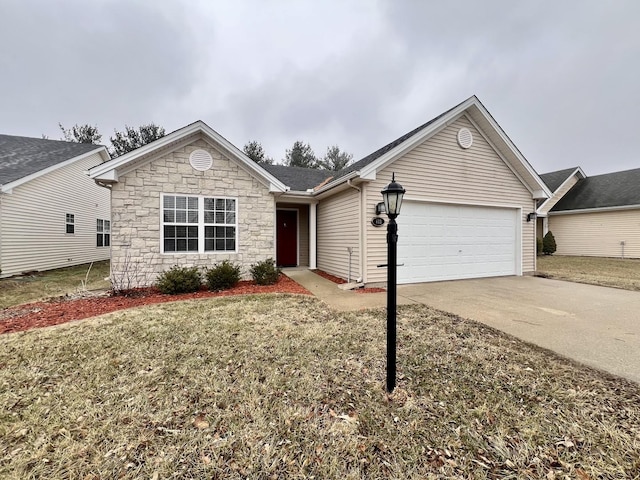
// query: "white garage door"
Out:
[447,242]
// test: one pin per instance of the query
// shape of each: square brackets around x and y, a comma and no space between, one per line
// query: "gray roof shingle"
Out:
[553,180]
[390,146]
[617,189]
[298,178]
[23,156]
[304,178]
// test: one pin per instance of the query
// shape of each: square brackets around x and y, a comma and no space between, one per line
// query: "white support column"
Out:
[312,237]
[545,225]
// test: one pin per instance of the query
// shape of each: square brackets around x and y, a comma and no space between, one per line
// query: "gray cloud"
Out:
[560,77]
[108,63]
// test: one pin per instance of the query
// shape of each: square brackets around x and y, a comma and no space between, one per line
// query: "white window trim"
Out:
[201,224]
[67,223]
[104,232]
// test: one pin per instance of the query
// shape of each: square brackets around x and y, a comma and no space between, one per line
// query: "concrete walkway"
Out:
[328,292]
[597,326]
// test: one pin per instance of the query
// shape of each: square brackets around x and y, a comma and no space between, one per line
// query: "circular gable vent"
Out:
[465,139]
[200,160]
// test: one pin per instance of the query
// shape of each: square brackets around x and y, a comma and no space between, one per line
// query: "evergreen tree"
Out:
[548,244]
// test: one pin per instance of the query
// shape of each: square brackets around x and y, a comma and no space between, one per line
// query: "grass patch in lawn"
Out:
[52,283]
[279,386]
[608,272]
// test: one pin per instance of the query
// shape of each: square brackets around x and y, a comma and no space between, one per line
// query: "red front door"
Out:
[287,238]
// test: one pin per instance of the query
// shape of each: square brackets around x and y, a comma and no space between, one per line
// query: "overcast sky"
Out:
[562,78]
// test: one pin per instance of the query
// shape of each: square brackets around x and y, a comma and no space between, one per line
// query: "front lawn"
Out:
[608,272]
[53,283]
[279,386]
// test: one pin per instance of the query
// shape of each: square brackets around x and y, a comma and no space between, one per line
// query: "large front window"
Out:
[198,224]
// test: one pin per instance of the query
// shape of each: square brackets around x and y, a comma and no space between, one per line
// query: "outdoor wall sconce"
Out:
[380,208]
[531,216]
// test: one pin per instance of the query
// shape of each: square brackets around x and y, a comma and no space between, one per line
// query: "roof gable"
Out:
[362,163]
[23,158]
[109,172]
[610,190]
[554,180]
[477,114]
[560,183]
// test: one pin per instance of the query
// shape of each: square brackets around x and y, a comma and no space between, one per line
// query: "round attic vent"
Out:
[200,160]
[465,139]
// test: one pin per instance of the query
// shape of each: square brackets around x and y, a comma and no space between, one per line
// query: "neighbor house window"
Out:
[199,224]
[70,223]
[103,233]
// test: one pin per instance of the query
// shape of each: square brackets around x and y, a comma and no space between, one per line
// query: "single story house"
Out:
[193,198]
[593,216]
[51,214]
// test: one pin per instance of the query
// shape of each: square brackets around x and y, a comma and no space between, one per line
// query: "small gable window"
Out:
[103,233]
[70,223]
[199,224]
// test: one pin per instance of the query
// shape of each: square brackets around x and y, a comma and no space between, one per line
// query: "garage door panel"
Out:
[444,242]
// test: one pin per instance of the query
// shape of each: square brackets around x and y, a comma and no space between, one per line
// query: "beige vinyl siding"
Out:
[303,230]
[338,228]
[439,170]
[32,226]
[597,234]
[559,194]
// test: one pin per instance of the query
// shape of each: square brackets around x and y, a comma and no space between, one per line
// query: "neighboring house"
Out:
[193,198]
[559,183]
[51,214]
[593,216]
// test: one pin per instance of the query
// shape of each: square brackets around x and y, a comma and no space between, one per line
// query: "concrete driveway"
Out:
[597,326]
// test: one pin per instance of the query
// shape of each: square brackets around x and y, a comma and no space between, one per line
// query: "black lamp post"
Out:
[392,196]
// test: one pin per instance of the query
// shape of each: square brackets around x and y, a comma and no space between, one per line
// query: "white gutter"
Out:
[596,210]
[337,182]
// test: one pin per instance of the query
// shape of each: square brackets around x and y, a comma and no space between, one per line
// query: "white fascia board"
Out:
[275,185]
[337,182]
[539,195]
[542,208]
[371,169]
[510,145]
[297,196]
[595,210]
[101,171]
[6,188]
[127,158]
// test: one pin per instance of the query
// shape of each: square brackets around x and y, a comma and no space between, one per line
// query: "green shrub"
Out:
[265,272]
[548,244]
[538,246]
[223,276]
[179,280]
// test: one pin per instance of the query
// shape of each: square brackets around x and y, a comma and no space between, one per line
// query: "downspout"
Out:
[359,190]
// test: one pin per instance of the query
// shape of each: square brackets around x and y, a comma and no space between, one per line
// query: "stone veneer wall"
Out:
[136,217]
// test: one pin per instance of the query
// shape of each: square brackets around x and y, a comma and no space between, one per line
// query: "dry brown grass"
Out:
[53,283]
[608,272]
[281,387]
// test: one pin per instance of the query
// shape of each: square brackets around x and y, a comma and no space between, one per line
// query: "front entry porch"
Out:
[296,235]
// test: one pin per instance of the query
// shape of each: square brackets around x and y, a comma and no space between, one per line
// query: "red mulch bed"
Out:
[340,281]
[54,312]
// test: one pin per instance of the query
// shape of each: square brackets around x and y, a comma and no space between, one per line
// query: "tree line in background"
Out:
[121,142]
[300,155]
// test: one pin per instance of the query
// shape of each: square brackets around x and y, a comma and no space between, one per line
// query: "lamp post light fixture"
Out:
[392,196]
